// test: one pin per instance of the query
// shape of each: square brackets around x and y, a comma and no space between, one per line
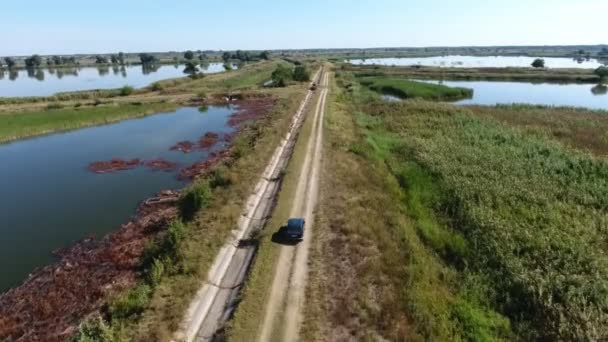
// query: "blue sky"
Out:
[74,26]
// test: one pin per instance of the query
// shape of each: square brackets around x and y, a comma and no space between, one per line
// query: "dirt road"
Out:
[217,297]
[283,314]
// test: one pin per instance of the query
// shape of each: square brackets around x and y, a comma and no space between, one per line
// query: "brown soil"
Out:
[161,165]
[49,305]
[114,165]
[183,146]
[208,140]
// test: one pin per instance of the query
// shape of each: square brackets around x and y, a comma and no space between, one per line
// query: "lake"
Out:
[47,82]
[52,200]
[480,62]
[550,94]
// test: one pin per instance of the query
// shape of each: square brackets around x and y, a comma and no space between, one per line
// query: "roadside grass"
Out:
[21,125]
[372,276]
[250,313]
[407,89]
[176,265]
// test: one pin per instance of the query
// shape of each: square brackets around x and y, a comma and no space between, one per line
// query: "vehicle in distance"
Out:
[295,228]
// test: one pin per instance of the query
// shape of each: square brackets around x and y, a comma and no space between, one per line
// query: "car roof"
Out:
[295,221]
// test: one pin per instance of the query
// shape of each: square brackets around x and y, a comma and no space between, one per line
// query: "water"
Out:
[480,62]
[51,200]
[492,93]
[47,82]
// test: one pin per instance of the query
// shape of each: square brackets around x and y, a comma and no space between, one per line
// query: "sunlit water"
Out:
[51,200]
[549,94]
[480,62]
[46,82]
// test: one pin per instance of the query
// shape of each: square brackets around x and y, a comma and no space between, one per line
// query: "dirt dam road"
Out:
[217,297]
[283,313]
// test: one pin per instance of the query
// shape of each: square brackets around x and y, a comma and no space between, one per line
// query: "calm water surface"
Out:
[51,200]
[479,62]
[492,93]
[46,82]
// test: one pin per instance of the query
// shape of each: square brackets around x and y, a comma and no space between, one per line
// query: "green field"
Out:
[20,125]
[407,89]
[492,221]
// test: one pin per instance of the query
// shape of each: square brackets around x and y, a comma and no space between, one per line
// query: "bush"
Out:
[126,91]
[301,74]
[281,75]
[132,303]
[93,329]
[197,197]
[219,178]
[538,63]
[51,106]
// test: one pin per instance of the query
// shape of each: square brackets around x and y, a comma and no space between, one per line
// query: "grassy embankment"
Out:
[446,223]
[26,124]
[25,117]
[407,89]
[487,74]
[178,262]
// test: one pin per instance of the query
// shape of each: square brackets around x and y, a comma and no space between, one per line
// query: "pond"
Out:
[550,94]
[480,62]
[52,200]
[47,82]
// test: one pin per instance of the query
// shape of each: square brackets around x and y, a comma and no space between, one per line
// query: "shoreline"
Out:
[45,305]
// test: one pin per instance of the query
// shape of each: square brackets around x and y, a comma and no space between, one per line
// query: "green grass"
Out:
[377,271]
[26,124]
[411,89]
[532,211]
[500,223]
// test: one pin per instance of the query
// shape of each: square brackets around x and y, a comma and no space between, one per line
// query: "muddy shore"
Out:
[51,303]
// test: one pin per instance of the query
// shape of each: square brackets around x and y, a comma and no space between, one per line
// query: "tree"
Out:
[602,72]
[281,75]
[538,63]
[121,58]
[33,62]
[114,59]
[300,74]
[10,63]
[147,58]
[101,60]
[189,55]
[226,56]
[57,60]
[191,68]
[202,57]
[265,55]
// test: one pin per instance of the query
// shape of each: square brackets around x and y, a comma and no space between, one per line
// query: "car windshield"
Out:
[294,225]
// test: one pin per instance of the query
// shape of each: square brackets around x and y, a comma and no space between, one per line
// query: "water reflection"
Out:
[482,61]
[56,79]
[13,74]
[103,70]
[600,89]
[39,75]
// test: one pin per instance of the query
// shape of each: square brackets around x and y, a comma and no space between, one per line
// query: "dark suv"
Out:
[295,228]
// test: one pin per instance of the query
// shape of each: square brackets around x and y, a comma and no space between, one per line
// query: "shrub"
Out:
[131,303]
[126,91]
[197,197]
[93,329]
[301,74]
[538,63]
